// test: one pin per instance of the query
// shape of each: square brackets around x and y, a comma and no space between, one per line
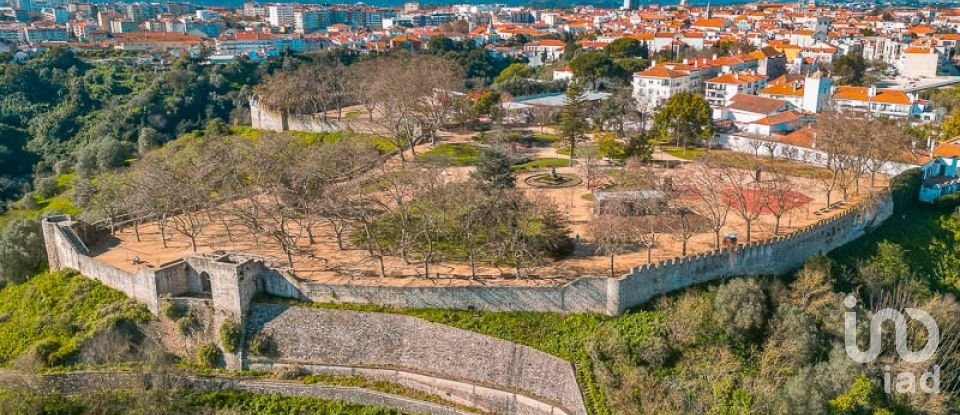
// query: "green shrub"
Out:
[209,356]
[174,311]
[740,307]
[230,336]
[186,324]
[46,351]
[22,251]
[262,345]
[46,187]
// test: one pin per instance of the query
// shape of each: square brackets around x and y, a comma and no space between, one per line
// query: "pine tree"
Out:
[572,119]
[494,170]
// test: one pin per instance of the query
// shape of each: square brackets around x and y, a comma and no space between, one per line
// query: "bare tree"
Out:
[744,192]
[705,190]
[779,194]
[614,231]
[683,219]
[474,225]
[109,199]
[410,94]
[178,178]
[841,137]
[308,89]
[891,144]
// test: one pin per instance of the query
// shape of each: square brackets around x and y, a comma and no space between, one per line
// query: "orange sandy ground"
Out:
[325,263]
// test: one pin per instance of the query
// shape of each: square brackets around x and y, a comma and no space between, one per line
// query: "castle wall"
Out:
[65,249]
[170,279]
[266,119]
[769,257]
[390,341]
[233,285]
[586,294]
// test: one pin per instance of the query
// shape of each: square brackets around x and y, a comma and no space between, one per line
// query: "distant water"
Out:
[543,4]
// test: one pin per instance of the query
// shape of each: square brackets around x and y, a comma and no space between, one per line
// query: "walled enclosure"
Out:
[503,376]
[354,340]
[235,280]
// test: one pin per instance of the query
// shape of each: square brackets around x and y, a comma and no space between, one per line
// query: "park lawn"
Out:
[57,311]
[544,163]
[545,138]
[583,150]
[451,154]
[686,153]
[539,139]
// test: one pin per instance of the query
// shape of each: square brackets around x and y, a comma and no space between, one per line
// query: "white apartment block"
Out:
[654,86]
[281,15]
[720,90]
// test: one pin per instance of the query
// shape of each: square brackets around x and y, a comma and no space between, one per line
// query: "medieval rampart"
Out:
[264,118]
[234,282]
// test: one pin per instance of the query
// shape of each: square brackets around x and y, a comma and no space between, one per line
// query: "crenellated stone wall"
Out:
[768,257]
[235,281]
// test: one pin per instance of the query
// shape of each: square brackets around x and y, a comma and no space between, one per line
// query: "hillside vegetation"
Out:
[49,319]
[178,402]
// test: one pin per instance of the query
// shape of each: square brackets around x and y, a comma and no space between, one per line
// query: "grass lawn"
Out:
[688,153]
[540,139]
[583,150]
[451,154]
[742,160]
[544,163]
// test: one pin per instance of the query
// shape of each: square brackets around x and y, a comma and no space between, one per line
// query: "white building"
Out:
[281,15]
[887,103]
[306,21]
[745,109]
[654,86]
[816,93]
[551,49]
[720,90]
